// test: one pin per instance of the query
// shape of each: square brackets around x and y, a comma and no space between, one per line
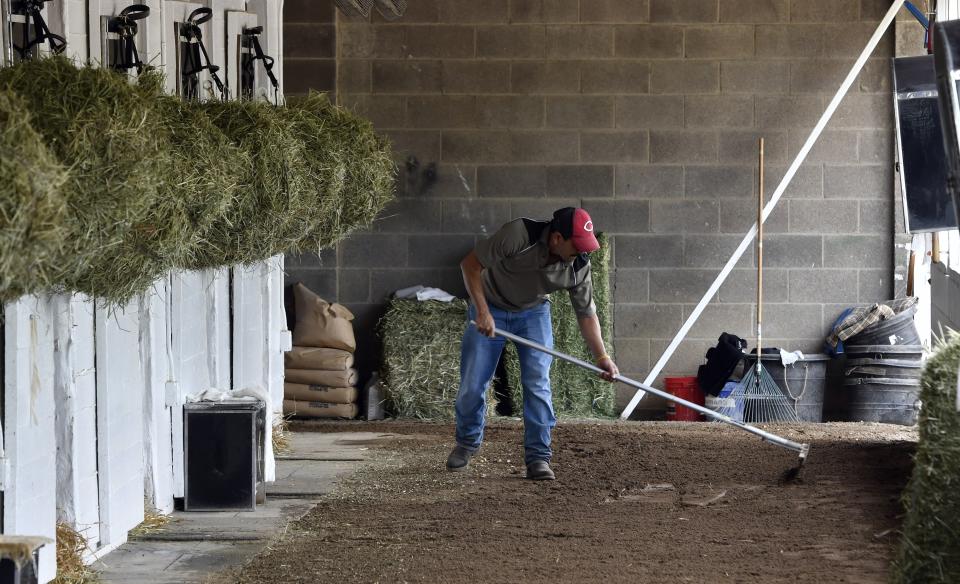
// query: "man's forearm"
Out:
[590,329]
[472,271]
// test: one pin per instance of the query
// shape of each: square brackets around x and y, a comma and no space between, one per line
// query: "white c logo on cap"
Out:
[588,226]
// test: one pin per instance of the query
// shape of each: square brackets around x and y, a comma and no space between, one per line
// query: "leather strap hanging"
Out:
[33,9]
[125,25]
[197,58]
[258,55]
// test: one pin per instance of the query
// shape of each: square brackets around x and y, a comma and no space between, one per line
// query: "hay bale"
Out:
[96,123]
[33,212]
[930,546]
[420,371]
[576,391]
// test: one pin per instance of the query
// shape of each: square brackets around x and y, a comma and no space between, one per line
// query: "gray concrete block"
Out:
[739,215]
[615,217]
[630,286]
[821,216]
[354,286]
[679,285]
[755,11]
[741,286]
[779,41]
[442,111]
[614,77]
[311,260]
[874,285]
[708,182]
[451,280]
[857,251]
[564,41]
[384,111]
[516,41]
[476,77]
[438,42]
[423,144]
[683,11]
[683,147]
[817,75]
[649,111]
[470,146]
[616,11]
[632,354]
[718,111]
[450,180]
[850,38]
[759,77]
[807,183]
[876,216]
[309,41]
[539,77]
[580,181]
[685,77]
[824,10]
[873,10]
[305,75]
[474,216]
[720,318]
[648,42]
[684,363]
[579,111]
[793,251]
[407,77]
[864,111]
[833,146]
[408,215]
[645,321]
[308,11]
[724,41]
[649,182]
[354,76]
[789,111]
[438,251]
[544,11]
[741,146]
[474,11]
[373,250]
[425,11]
[510,111]
[629,146]
[876,146]
[511,181]
[539,208]
[712,251]
[793,321]
[363,41]
[544,147]
[858,182]
[648,251]
[875,76]
[821,286]
[684,216]
[384,282]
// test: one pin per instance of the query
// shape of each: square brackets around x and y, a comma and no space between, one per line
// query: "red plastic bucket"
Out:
[688,389]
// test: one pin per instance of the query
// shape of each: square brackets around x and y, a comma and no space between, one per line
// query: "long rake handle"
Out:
[803,449]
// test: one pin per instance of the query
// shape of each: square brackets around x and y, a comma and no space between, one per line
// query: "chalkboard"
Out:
[927,204]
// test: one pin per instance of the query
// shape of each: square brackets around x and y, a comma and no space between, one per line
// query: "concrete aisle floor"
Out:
[193,546]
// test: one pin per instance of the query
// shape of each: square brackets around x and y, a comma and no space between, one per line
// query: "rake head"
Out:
[355,7]
[758,399]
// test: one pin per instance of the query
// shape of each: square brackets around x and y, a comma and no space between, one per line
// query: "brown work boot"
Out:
[539,470]
[459,459]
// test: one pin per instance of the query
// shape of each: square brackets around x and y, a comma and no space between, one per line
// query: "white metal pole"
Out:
[748,238]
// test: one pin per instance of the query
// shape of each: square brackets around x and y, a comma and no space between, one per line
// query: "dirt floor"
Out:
[633,502]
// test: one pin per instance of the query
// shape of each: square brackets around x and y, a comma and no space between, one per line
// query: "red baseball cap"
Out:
[581,233]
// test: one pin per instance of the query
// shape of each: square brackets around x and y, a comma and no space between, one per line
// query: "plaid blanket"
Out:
[862,317]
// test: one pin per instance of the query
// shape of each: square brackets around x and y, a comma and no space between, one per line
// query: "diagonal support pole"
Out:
[748,238]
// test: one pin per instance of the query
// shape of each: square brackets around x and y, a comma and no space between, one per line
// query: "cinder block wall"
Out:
[646,112]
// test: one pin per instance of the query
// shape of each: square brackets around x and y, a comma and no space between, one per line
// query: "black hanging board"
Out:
[927,203]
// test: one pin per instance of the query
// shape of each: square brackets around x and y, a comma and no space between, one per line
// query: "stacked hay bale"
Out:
[320,381]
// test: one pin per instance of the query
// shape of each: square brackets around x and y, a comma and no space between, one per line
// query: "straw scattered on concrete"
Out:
[71,547]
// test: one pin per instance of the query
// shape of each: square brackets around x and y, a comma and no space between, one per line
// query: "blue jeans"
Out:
[478,363]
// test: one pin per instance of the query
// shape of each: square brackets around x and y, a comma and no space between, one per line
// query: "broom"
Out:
[757,395]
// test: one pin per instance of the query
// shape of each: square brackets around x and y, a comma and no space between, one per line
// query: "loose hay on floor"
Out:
[71,547]
[930,546]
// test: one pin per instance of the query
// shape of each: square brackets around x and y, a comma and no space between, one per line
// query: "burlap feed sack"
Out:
[318,358]
[319,377]
[320,393]
[304,409]
[321,324]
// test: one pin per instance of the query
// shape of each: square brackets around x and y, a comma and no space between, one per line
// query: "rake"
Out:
[757,397]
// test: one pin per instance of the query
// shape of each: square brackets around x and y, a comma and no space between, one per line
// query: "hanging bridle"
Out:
[258,55]
[197,57]
[125,26]
[33,9]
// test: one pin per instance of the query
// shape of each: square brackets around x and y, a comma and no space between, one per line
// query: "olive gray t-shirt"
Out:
[517,275]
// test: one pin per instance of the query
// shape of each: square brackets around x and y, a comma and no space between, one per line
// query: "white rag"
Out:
[422,293]
[790,357]
[253,393]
